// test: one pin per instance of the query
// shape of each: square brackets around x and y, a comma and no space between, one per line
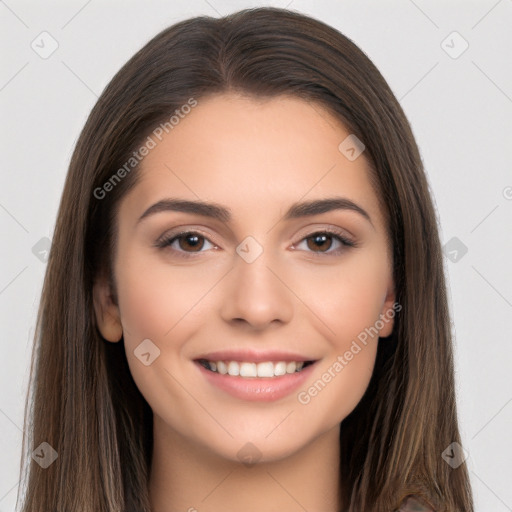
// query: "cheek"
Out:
[168,305]
[154,299]
[349,306]
[349,297]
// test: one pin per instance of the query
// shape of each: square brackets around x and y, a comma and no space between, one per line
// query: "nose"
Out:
[256,295]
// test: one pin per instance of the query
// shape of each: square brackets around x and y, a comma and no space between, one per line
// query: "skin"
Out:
[255,157]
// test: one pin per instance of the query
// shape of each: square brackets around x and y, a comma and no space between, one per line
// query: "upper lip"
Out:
[256,356]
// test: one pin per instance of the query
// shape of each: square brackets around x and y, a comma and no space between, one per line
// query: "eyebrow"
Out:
[223,214]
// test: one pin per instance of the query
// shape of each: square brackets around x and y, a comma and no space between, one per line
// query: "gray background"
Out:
[460,108]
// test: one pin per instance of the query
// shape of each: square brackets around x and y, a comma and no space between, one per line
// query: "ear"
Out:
[388,312]
[108,318]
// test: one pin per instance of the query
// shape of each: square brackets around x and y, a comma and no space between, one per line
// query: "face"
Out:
[253,280]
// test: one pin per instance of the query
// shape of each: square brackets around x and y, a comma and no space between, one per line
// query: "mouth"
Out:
[253,377]
[254,370]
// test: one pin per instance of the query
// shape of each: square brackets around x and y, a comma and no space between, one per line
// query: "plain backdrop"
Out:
[449,64]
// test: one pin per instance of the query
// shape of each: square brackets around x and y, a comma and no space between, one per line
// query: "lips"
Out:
[227,370]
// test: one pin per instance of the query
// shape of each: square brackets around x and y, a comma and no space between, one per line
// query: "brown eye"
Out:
[326,243]
[319,242]
[190,242]
[185,244]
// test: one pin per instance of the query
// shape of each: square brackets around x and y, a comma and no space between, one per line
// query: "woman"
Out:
[245,304]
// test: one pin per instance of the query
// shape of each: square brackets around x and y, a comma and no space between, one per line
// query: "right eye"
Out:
[184,242]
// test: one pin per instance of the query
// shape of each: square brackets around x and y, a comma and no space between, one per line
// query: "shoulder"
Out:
[413,504]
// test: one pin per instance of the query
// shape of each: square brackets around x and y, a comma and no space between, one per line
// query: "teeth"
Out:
[233,368]
[280,369]
[221,367]
[248,370]
[265,369]
[251,370]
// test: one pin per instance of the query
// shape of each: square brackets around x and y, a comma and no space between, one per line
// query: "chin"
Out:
[257,448]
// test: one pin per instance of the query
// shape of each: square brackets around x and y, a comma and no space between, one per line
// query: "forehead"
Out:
[254,155]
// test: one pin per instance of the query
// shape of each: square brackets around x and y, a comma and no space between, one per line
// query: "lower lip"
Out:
[258,389]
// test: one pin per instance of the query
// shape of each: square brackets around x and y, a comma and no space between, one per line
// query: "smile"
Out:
[251,370]
[265,381]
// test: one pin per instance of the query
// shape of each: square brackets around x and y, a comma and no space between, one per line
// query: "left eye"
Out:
[323,241]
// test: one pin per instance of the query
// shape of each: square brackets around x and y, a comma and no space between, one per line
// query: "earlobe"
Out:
[106,311]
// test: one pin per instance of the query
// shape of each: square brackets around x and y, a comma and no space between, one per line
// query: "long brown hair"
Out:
[83,401]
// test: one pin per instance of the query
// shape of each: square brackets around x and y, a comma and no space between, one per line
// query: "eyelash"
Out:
[167,240]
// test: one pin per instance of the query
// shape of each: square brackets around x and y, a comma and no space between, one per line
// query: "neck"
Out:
[186,477]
